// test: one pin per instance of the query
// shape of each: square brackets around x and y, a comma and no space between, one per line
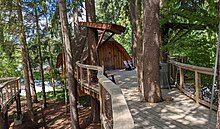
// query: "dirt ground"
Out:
[53,117]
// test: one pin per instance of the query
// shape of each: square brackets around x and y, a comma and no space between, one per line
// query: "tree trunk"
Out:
[34,94]
[134,31]
[218,73]
[52,70]
[92,38]
[70,62]
[40,57]
[135,10]
[151,44]
[24,52]
[50,55]
[92,34]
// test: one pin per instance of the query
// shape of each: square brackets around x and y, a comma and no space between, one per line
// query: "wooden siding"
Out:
[112,55]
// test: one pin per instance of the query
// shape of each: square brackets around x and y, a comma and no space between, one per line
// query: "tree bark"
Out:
[151,42]
[92,34]
[40,57]
[135,10]
[24,52]
[70,62]
[133,31]
[34,94]
[92,38]
[218,73]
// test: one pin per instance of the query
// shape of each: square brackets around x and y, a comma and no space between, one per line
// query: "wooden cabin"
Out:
[112,54]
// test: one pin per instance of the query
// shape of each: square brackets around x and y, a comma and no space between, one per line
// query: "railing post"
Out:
[181,78]
[77,73]
[81,76]
[197,84]
[11,89]
[3,124]
[88,76]
[6,92]
[18,100]
[1,97]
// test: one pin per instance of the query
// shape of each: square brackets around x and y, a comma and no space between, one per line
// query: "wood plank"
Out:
[198,86]
[104,26]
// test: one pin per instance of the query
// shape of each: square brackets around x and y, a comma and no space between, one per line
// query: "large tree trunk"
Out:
[70,62]
[151,44]
[40,57]
[92,38]
[92,34]
[24,52]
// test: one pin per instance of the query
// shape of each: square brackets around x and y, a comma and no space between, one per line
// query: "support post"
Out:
[2,122]
[95,110]
[88,77]
[197,84]
[81,76]
[18,100]
[181,78]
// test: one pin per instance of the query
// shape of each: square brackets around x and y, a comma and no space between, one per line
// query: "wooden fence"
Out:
[114,112]
[9,92]
[177,72]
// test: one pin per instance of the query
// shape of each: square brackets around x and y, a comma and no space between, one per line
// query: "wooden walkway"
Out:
[181,113]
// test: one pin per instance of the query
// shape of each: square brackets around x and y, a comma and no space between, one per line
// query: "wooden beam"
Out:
[104,26]
[108,38]
[100,39]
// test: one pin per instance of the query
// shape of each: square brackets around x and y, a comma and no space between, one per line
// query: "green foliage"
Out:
[116,12]
[198,41]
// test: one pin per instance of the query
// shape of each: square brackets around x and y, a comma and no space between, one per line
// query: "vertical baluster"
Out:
[181,78]
[81,76]
[18,100]
[14,87]
[88,76]
[77,73]
[19,86]
[6,92]
[11,89]
[198,85]
[1,96]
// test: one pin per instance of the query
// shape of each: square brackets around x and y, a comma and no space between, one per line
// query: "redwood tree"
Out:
[24,52]
[70,62]
[92,38]
[151,46]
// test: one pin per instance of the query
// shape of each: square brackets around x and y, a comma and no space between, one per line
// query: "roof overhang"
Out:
[117,29]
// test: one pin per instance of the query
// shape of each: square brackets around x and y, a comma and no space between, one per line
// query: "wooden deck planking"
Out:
[181,113]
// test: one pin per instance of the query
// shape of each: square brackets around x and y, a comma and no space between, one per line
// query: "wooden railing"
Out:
[177,72]
[9,92]
[114,112]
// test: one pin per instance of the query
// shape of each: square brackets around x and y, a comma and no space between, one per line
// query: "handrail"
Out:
[114,113]
[203,70]
[174,66]
[8,91]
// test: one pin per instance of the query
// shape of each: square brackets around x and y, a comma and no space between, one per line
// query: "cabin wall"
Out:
[111,55]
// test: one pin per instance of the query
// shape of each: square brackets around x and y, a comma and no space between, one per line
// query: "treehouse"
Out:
[111,54]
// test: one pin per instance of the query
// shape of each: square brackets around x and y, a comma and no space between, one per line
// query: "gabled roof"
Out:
[104,26]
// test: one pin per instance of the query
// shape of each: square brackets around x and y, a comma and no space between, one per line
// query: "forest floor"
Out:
[53,117]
